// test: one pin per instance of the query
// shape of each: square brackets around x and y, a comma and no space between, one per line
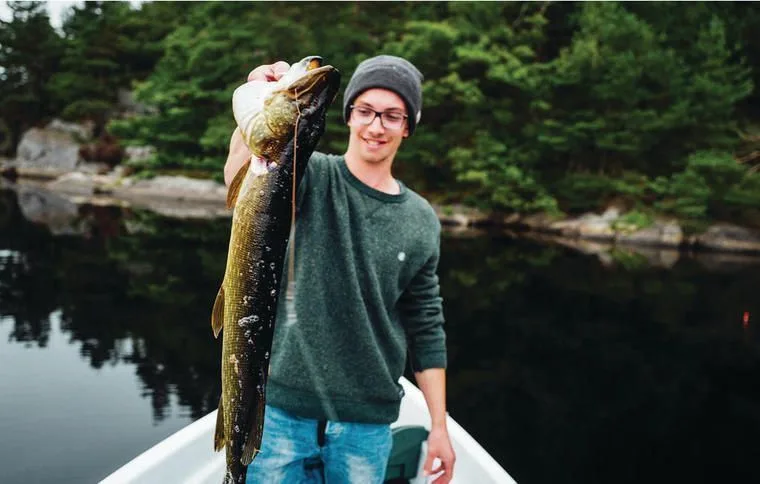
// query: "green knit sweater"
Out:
[366,296]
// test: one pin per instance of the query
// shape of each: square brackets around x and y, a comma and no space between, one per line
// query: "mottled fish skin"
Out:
[261,221]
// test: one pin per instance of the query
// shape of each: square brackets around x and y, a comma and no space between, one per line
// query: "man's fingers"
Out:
[236,141]
[443,479]
[261,73]
[444,471]
[279,69]
[269,72]
[427,467]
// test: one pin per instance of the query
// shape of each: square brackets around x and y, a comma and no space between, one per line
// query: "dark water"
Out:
[566,370]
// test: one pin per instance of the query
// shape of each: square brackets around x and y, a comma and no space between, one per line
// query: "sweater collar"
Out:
[368,190]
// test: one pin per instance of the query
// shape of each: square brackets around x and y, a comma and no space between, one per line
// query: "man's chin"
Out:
[373,156]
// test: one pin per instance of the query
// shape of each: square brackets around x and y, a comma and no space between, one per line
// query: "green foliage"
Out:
[745,193]
[527,106]
[628,100]
[29,54]
[704,185]
[482,77]
[589,191]
[108,45]
[86,85]
[686,195]
[205,59]
[496,184]
[633,220]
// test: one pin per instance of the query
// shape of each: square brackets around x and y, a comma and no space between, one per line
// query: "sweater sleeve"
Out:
[421,312]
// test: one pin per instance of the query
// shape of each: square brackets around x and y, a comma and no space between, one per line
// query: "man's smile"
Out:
[374,143]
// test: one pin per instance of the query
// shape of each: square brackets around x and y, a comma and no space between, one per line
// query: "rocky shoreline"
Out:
[608,229]
[49,159]
[184,197]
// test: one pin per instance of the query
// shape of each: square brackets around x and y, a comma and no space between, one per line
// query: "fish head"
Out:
[274,117]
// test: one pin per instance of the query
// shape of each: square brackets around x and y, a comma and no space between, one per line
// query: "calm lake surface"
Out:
[565,369]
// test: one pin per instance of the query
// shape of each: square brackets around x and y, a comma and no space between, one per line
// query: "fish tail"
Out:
[235,476]
[236,472]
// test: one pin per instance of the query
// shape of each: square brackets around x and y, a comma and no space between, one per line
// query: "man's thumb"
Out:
[427,467]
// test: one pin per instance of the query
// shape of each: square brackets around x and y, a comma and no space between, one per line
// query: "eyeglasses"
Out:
[388,119]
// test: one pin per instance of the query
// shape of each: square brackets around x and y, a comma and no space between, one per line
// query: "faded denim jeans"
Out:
[291,452]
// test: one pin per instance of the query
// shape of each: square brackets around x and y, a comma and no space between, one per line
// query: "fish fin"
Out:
[217,314]
[237,182]
[253,444]
[219,432]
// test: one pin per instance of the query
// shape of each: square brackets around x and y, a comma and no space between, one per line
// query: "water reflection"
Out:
[130,289]
[564,368]
[570,371]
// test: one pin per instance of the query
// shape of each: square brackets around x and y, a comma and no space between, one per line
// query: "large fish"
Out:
[279,121]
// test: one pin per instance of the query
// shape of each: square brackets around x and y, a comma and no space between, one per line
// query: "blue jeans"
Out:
[291,452]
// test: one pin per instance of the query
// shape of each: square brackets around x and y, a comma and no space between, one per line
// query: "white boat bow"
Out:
[188,457]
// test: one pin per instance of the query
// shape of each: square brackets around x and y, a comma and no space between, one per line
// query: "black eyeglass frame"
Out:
[378,114]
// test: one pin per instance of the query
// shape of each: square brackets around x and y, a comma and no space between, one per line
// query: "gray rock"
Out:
[176,187]
[454,220]
[137,155]
[539,221]
[51,150]
[611,214]
[94,168]
[596,229]
[54,211]
[566,227]
[664,234]
[589,217]
[589,226]
[462,216]
[75,182]
[82,132]
[120,171]
[732,238]
[185,211]
[672,233]
[179,184]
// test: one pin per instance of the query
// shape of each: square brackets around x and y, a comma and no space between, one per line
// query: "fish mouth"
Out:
[311,84]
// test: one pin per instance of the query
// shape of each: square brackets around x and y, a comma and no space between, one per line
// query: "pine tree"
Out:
[29,54]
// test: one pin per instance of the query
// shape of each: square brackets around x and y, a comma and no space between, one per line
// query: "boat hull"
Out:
[188,456]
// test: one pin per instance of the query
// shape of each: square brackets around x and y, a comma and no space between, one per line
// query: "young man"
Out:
[367,295]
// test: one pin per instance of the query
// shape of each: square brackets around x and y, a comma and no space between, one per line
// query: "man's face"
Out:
[374,143]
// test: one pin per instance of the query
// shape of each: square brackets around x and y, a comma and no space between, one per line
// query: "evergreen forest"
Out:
[553,107]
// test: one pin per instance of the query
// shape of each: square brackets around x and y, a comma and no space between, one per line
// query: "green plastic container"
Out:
[405,454]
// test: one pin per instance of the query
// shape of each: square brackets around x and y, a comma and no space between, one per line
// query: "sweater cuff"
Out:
[429,359]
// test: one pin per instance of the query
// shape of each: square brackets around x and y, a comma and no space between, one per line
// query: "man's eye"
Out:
[363,111]
[393,117]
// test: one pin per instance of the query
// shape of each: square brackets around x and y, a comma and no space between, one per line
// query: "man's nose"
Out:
[376,125]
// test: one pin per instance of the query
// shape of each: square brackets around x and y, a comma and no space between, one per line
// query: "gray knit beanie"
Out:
[392,73]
